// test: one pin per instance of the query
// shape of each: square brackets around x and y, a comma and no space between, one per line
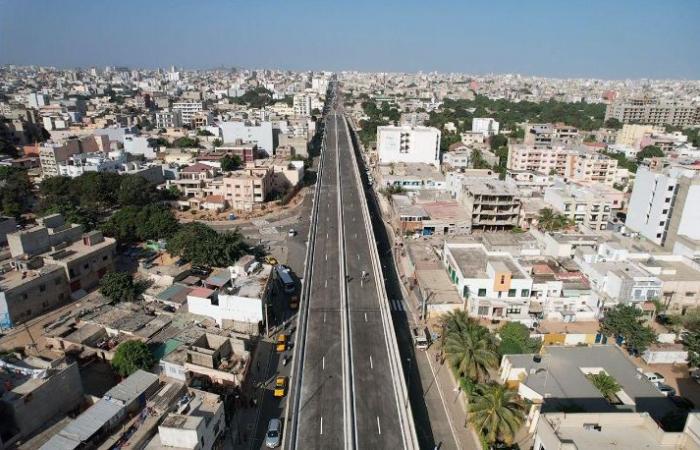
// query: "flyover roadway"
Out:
[348,389]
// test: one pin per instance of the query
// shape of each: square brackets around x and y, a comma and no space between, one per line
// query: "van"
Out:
[421,337]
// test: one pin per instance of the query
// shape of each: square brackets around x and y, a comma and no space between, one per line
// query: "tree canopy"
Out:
[132,356]
[15,191]
[230,163]
[627,321]
[515,339]
[258,97]
[119,287]
[548,220]
[650,151]
[133,223]
[202,245]
[496,412]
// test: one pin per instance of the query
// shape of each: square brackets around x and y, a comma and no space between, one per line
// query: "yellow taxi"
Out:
[281,343]
[280,386]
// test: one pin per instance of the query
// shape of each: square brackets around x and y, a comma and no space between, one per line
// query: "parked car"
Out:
[655,377]
[281,343]
[274,433]
[665,389]
[280,386]
[292,232]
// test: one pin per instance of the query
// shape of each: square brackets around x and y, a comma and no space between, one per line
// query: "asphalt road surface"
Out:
[344,403]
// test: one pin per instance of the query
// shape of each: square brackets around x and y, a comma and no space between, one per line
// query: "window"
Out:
[503,279]
[482,293]
[42,288]
[483,310]
[512,292]
[513,310]
[689,294]
[658,235]
[670,188]
[104,258]
[525,293]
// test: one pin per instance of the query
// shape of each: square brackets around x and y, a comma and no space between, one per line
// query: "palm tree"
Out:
[470,348]
[548,220]
[496,412]
[606,384]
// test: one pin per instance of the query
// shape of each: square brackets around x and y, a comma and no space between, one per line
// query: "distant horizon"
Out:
[280,69]
[597,39]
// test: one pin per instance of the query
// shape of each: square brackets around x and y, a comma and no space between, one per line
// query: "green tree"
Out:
[613,123]
[650,151]
[548,220]
[498,141]
[515,339]
[230,163]
[15,191]
[186,142]
[691,342]
[217,142]
[202,245]
[470,348]
[135,190]
[132,356]
[119,287]
[606,384]
[477,160]
[496,412]
[627,321]
[202,132]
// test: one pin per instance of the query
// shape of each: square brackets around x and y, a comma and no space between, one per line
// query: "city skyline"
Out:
[571,41]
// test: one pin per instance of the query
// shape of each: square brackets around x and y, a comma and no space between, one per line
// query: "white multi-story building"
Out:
[579,204]
[664,204]
[188,110]
[302,105]
[258,133]
[493,284]
[486,126]
[654,112]
[37,100]
[80,163]
[408,144]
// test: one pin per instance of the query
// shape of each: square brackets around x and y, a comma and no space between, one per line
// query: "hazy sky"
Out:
[566,38]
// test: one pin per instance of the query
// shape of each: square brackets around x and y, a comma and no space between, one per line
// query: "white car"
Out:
[655,377]
[292,232]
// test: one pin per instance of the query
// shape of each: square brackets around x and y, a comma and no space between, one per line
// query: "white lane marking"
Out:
[325,284]
[365,317]
[355,235]
[326,235]
[379,427]
[326,256]
[323,363]
[358,256]
[324,317]
[371,364]
[322,425]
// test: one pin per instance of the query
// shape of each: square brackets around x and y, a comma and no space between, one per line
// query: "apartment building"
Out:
[592,167]
[631,134]
[80,163]
[197,423]
[35,391]
[193,179]
[492,204]
[169,119]
[302,105]
[664,204]
[579,204]
[485,126]
[187,110]
[247,151]
[31,289]
[52,154]
[493,284]
[259,133]
[86,261]
[649,111]
[408,144]
[549,135]
[244,189]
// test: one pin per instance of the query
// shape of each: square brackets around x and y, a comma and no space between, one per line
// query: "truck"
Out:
[421,337]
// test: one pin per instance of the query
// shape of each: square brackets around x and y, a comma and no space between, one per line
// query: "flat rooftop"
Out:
[14,278]
[472,261]
[77,250]
[559,378]
[674,270]
[621,431]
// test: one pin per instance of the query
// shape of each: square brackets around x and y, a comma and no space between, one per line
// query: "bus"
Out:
[284,277]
